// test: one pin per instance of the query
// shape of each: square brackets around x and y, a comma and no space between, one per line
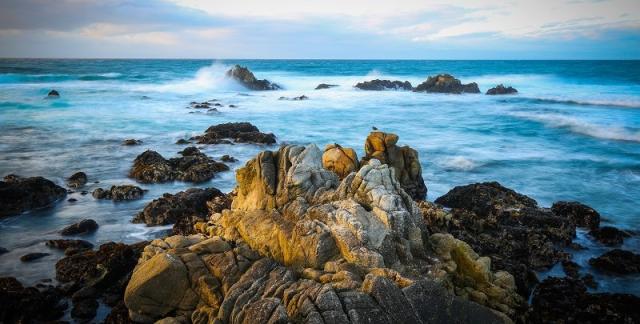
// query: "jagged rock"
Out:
[247,79]
[85,226]
[609,235]
[18,194]
[379,85]
[566,300]
[404,160]
[77,180]
[617,261]
[325,86]
[53,94]
[119,193]
[445,83]
[501,90]
[341,160]
[238,132]
[170,209]
[19,304]
[33,256]
[193,166]
[485,199]
[581,214]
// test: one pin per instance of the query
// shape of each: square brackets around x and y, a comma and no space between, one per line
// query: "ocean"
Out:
[572,133]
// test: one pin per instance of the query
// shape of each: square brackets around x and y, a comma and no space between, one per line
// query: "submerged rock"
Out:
[19,304]
[131,141]
[3,250]
[18,194]
[446,83]
[69,246]
[378,85]
[617,261]
[77,180]
[609,235]
[501,90]
[53,94]
[325,86]
[33,256]
[248,80]
[85,226]
[228,158]
[303,97]
[193,166]
[119,193]
[581,214]
[238,132]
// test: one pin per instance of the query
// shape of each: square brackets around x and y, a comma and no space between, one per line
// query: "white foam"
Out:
[459,163]
[206,79]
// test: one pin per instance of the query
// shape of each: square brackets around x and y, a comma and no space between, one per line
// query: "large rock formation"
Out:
[247,79]
[193,166]
[18,194]
[242,132]
[379,85]
[404,161]
[446,83]
[617,261]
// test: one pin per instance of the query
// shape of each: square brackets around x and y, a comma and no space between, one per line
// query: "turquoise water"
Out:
[573,132]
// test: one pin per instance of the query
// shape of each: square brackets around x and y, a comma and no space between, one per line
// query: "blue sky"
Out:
[333,29]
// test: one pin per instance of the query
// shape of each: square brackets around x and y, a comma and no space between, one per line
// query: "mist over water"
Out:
[572,132]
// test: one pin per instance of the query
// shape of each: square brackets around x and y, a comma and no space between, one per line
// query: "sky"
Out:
[328,29]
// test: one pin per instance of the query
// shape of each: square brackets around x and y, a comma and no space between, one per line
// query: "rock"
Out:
[193,166]
[233,106]
[565,300]
[303,97]
[169,209]
[201,105]
[485,199]
[77,180]
[53,94]
[445,83]
[119,193]
[238,132]
[18,194]
[3,250]
[379,85]
[84,309]
[119,315]
[248,80]
[589,281]
[69,245]
[182,141]
[340,160]
[609,235]
[228,159]
[571,269]
[131,141]
[404,160]
[85,226]
[325,86]
[501,90]
[20,304]
[581,214]
[72,200]
[33,256]
[617,261]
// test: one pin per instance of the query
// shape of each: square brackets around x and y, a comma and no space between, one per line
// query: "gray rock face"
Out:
[18,194]
[247,79]
[379,85]
[446,83]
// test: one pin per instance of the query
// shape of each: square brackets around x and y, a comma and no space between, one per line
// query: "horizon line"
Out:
[311,59]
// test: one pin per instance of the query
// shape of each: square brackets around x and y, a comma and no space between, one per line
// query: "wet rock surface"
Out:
[53,94]
[501,90]
[609,235]
[581,214]
[131,142]
[193,166]
[617,261]
[298,98]
[242,132]
[248,80]
[18,195]
[33,256]
[69,246]
[77,180]
[322,86]
[119,193]
[85,226]
[446,83]
[379,85]
[19,304]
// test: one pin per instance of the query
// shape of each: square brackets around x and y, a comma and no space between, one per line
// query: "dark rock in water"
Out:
[131,141]
[85,226]
[589,281]
[53,94]
[379,85]
[566,300]
[76,245]
[84,192]
[33,256]
[501,90]
[3,250]
[303,97]
[446,83]
[609,235]
[581,214]
[171,208]
[77,180]
[119,193]
[571,268]
[20,304]
[119,315]
[201,105]
[182,141]
[84,309]
[72,200]
[233,106]
[325,86]
[193,166]
[19,194]
[617,261]
[247,79]
[240,132]
[212,110]
[228,159]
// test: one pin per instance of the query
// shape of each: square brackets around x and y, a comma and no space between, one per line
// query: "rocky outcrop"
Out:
[341,160]
[211,280]
[581,214]
[19,304]
[379,85]
[248,80]
[85,226]
[18,194]
[131,142]
[322,86]
[53,94]
[237,132]
[77,180]
[119,193]
[501,90]
[566,300]
[446,83]
[617,261]
[609,235]
[193,166]
[404,161]
[487,199]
